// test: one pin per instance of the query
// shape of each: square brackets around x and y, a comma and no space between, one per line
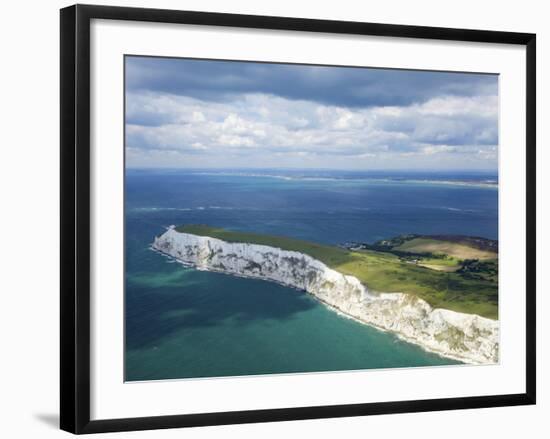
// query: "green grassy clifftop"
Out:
[448,274]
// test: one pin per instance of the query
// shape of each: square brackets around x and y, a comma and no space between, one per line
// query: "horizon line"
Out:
[183,168]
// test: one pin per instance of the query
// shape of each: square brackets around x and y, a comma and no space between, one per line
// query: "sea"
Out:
[182,323]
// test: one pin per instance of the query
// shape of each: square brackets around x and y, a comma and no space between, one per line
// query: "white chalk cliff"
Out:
[464,337]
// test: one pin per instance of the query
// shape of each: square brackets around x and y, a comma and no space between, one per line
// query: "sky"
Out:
[227,114]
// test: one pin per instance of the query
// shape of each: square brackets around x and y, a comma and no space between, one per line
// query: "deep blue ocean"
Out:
[184,323]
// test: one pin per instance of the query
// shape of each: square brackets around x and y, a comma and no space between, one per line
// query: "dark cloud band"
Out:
[342,86]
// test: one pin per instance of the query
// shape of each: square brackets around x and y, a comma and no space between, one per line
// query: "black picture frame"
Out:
[75,217]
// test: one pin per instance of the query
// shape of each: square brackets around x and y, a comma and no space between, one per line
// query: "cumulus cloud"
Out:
[193,113]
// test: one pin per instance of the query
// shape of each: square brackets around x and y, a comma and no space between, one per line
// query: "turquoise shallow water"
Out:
[184,323]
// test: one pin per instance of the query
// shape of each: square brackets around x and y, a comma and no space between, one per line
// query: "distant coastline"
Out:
[483,183]
[481,179]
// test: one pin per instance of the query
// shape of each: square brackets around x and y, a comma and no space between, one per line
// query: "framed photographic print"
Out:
[269,218]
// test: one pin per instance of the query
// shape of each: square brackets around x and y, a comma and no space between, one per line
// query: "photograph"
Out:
[296,218]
